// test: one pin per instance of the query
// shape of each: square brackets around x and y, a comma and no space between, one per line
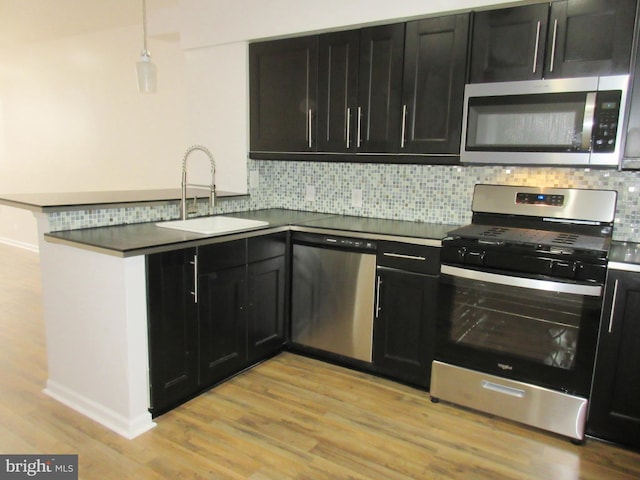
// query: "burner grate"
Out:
[565,239]
[494,232]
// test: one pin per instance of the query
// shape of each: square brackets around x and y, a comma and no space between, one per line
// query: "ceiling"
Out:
[26,21]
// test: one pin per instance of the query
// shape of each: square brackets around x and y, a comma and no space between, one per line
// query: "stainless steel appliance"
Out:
[333,286]
[573,121]
[521,292]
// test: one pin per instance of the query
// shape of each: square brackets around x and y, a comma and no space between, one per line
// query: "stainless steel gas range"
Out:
[520,293]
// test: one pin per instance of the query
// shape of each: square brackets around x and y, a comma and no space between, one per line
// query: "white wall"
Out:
[71,119]
[226,21]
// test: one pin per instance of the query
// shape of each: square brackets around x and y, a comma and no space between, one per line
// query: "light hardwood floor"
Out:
[289,418]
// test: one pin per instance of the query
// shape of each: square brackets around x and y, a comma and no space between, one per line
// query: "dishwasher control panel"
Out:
[351,242]
[335,241]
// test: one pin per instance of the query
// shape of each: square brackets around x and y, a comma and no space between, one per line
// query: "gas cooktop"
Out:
[500,235]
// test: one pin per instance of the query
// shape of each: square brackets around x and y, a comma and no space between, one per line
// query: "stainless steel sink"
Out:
[216,225]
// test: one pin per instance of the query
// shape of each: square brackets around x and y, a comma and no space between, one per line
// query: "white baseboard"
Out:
[126,427]
[19,244]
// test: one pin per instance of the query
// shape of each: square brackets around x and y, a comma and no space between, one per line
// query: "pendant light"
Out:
[147,71]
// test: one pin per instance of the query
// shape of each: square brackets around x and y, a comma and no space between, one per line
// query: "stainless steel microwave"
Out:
[573,121]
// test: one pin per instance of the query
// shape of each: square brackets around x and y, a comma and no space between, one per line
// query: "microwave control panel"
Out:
[605,121]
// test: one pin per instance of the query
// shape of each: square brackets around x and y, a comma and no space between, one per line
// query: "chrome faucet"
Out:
[211,188]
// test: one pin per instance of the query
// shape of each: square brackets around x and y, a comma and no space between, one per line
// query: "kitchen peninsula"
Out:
[95,296]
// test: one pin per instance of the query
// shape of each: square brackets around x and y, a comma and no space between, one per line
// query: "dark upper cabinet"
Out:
[380,89]
[435,64]
[570,38]
[339,57]
[283,87]
[614,407]
[359,90]
[508,44]
[589,37]
[173,332]
[377,93]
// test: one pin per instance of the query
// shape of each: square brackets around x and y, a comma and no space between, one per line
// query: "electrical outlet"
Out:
[310,193]
[356,198]
[254,179]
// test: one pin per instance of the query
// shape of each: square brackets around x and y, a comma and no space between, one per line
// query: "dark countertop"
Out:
[57,202]
[145,238]
[625,256]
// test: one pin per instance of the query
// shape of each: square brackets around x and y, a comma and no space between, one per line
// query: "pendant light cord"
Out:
[144,26]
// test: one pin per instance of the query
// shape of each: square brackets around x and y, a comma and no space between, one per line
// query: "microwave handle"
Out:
[587,121]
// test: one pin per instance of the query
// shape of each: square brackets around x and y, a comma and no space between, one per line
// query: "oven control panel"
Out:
[539,199]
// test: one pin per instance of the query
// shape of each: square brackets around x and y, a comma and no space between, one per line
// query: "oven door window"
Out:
[520,332]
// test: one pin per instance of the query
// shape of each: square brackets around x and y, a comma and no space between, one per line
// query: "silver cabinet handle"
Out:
[535,52]
[378,284]
[310,137]
[613,305]
[359,128]
[194,262]
[401,255]
[404,125]
[553,44]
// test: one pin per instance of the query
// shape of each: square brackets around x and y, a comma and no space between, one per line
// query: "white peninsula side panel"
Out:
[96,331]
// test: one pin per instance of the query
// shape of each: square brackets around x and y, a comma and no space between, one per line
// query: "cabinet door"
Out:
[614,411]
[403,335]
[266,308]
[508,44]
[434,77]
[222,323]
[222,310]
[589,37]
[283,87]
[379,91]
[338,91]
[173,351]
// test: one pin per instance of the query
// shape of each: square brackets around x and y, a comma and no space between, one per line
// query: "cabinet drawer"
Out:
[410,257]
[218,256]
[267,246]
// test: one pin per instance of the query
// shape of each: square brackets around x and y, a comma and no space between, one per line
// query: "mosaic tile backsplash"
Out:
[427,193]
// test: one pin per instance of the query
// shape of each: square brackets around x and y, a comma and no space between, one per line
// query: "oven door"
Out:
[528,329]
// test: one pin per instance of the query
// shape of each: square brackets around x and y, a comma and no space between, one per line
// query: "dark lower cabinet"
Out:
[222,323]
[404,324]
[202,332]
[614,407]
[267,284]
[173,332]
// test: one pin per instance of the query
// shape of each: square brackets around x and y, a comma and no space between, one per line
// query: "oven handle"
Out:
[588,290]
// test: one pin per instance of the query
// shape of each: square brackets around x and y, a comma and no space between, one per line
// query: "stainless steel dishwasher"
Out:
[332,298]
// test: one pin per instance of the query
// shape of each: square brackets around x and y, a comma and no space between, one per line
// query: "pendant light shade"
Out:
[147,74]
[145,69]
